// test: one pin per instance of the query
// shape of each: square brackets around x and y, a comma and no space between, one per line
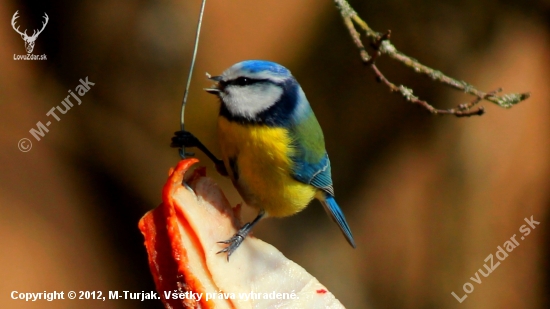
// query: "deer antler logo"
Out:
[29,40]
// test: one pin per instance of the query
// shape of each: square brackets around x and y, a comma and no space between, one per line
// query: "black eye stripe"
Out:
[244,81]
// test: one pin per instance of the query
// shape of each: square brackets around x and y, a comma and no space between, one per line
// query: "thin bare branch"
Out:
[381,45]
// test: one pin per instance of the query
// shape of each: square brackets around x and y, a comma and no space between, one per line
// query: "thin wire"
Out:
[184,101]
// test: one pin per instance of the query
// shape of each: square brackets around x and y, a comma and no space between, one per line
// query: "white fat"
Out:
[249,101]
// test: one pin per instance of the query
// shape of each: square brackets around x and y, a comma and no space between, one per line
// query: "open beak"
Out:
[215,91]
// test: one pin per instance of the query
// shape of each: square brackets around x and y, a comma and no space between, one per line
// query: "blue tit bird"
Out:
[273,148]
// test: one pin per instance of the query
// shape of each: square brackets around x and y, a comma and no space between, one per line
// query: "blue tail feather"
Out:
[337,215]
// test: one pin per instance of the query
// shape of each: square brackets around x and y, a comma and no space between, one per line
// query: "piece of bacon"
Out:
[181,239]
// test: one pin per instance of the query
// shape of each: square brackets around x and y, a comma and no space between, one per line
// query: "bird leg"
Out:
[235,241]
[187,139]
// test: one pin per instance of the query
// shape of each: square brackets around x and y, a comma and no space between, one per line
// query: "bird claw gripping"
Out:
[185,139]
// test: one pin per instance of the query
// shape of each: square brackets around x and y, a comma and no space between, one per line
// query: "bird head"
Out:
[249,89]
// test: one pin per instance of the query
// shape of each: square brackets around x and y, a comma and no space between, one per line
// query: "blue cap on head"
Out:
[256,66]
[257,69]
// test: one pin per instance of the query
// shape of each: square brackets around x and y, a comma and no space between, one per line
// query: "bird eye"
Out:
[242,81]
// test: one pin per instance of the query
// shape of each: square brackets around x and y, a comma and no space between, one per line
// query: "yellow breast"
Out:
[257,158]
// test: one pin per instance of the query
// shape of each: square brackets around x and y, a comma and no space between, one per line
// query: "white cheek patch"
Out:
[251,100]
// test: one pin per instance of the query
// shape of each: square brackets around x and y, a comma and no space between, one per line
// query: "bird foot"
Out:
[235,241]
[184,139]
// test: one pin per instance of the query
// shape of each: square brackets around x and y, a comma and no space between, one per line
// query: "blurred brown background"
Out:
[428,198]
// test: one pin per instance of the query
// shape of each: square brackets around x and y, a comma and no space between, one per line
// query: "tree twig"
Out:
[381,45]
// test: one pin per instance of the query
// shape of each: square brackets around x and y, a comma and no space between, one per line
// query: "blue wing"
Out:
[315,174]
[310,159]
